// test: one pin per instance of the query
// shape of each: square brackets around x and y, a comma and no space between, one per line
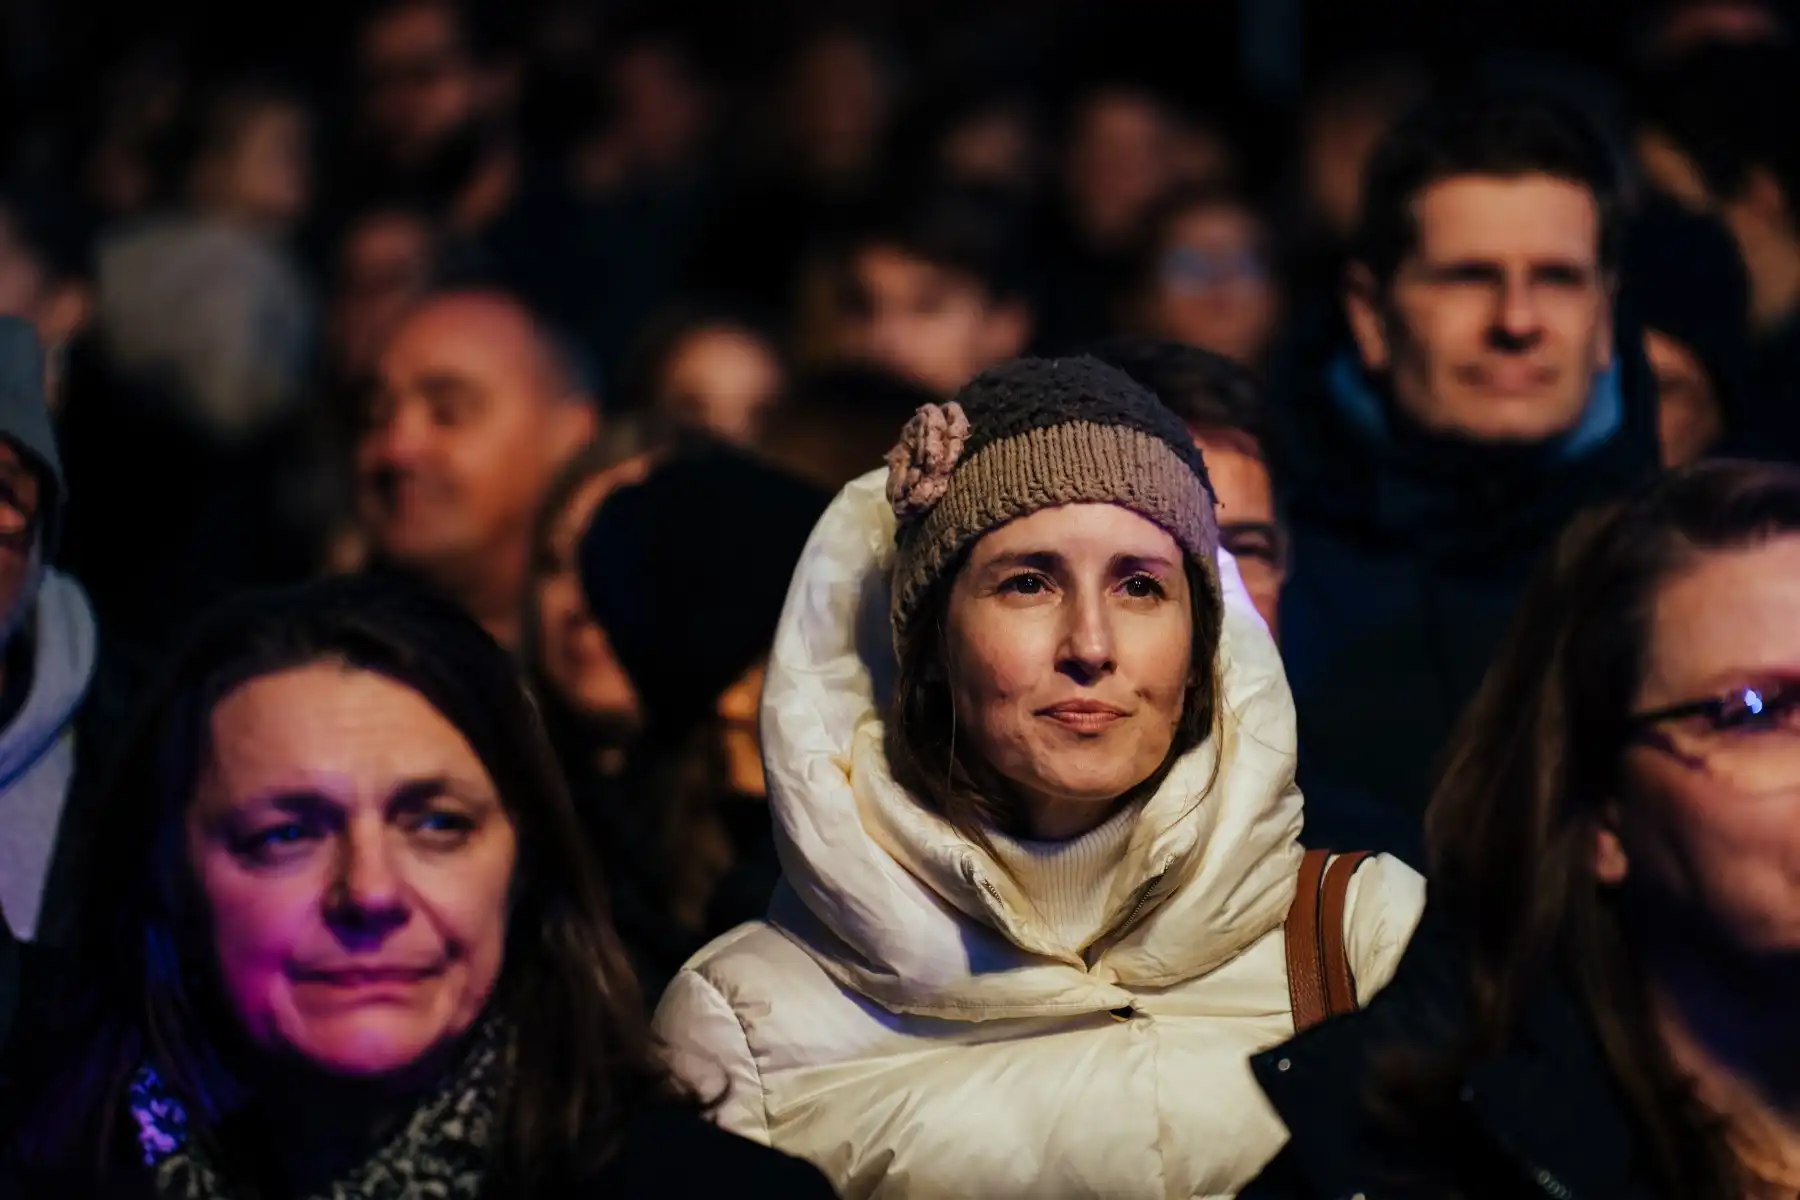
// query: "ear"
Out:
[575,424]
[1007,331]
[1611,864]
[1363,309]
[1762,196]
[66,313]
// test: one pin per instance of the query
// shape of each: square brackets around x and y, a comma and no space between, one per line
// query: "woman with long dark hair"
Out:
[1601,1000]
[350,943]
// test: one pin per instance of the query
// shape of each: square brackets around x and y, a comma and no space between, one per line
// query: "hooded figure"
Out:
[53,726]
[686,571]
[936,1008]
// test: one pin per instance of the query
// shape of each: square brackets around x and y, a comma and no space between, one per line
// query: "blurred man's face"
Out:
[1494,327]
[419,85]
[274,165]
[931,324]
[21,495]
[723,381]
[1121,161]
[464,430]
[1688,414]
[1247,524]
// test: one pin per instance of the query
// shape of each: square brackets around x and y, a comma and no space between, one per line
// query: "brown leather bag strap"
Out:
[1320,982]
[1340,981]
[1306,970]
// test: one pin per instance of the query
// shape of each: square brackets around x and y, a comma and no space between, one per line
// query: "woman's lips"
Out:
[1084,716]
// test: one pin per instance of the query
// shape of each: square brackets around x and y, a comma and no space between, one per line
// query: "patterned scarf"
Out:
[441,1154]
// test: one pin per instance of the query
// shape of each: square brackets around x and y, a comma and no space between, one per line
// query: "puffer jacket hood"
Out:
[1209,869]
[907,1021]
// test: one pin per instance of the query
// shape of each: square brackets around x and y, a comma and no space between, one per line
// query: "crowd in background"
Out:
[579,314]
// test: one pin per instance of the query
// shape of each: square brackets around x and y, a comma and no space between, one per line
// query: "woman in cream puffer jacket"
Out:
[915,1016]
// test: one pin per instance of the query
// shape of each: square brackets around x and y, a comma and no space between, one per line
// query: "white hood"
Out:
[897,905]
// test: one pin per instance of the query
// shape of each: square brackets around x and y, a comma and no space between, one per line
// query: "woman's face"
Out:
[1709,820]
[1214,287]
[1067,651]
[577,657]
[355,862]
[722,381]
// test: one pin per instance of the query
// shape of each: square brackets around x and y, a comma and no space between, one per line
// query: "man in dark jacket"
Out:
[56,719]
[1426,468]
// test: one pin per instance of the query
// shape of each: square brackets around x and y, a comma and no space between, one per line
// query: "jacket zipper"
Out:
[1144,895]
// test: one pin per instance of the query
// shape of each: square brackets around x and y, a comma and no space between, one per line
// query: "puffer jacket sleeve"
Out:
[1382,909]
[707,1048]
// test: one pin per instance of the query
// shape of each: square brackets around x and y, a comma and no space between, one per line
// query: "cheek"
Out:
[257,926]
[1733,858]
[996,668]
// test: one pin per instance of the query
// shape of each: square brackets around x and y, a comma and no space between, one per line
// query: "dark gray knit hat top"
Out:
[1032,434]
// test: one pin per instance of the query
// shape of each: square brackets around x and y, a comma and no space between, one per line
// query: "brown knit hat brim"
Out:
[1077,462]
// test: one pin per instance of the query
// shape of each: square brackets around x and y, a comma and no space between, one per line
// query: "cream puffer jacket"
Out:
[902,1020]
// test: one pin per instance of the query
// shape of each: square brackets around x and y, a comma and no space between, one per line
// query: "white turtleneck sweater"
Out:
[1069,882]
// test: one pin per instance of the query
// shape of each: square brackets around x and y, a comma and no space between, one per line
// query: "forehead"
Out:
[1099,531]
[347,733]
[410,29]
[1733,614]
[1513,217]
[474,337]
[881,266]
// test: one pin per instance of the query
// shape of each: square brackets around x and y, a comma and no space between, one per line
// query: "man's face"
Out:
[464,430]
[1495,325]
[931,324]
[21,498]
[418,83]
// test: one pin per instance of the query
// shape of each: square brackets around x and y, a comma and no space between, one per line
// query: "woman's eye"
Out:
[1143,587]
[1029,584]
[274,842]
[444,824]
[1754,710]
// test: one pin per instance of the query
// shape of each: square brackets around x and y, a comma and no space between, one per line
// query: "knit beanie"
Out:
[687,572]
[1032,434]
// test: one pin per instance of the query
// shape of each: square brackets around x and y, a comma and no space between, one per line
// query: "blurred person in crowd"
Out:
[1207,276]
[935,285]
[836,108]
[387,260]
[1601,1001]
[59,711]
[838,423]
[1687,287]
[430,128]
[814,161]
[1127,148]
[1424,469]
[349,941]
[208,299]
[1222,405]
[592,699]
[1684,26]
[710,370]
[1053,867]
[474,409]
[689,815]
[659,114]
[142,98]
[46,277]
[1344,119]
[984,130]
[1715,135]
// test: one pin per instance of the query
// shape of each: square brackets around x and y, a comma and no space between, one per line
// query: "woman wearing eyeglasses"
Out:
[1603,999]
